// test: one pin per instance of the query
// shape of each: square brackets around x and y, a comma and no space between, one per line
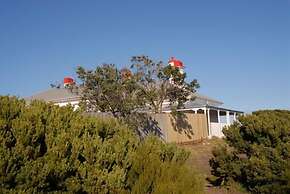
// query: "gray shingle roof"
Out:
[55,95]
[204,100]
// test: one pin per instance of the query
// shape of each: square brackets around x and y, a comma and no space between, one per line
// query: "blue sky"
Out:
[239,50]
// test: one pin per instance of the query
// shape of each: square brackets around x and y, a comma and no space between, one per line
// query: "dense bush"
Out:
[46,148]
[160,168]
[257,154]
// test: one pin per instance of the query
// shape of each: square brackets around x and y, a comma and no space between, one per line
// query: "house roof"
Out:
[57,95]
[199,101]
[205,100]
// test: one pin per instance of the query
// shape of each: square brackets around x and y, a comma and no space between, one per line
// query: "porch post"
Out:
[228,117]
[235,116]
[208,120]
[219,118]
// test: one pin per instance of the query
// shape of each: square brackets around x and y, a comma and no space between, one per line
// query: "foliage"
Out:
[106,89]
[258,153]
[159,168]
[46,148]
[159,82]
[125,91]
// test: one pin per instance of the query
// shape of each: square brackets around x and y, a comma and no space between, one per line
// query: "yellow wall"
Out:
[190,128]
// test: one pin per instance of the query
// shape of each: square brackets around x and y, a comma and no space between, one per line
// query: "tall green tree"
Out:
[145,85]
[160,82]
[106,89]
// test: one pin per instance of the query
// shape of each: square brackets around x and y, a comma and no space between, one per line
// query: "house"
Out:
[58,96]
[216,116]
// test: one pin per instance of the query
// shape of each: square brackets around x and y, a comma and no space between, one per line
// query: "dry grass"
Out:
[199,160]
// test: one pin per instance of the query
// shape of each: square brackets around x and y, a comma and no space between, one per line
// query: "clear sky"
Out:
[239,50]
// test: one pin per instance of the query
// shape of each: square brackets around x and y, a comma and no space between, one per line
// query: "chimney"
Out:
[67,81]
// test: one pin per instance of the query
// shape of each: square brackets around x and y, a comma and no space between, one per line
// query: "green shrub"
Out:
[46,148]
[257,154]
[159,168]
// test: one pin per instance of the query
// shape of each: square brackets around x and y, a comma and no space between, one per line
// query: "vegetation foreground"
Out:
[256,154]
[46,148]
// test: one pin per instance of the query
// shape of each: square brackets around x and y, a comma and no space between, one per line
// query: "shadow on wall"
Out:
[179,122]
[146,125]
[179,128]
[160,124]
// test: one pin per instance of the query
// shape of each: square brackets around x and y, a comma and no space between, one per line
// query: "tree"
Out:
[106,89]
[51,149]
[147,84]
[257,154]
[159,83]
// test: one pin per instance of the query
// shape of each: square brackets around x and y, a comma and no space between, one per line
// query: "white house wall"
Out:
[75,104]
